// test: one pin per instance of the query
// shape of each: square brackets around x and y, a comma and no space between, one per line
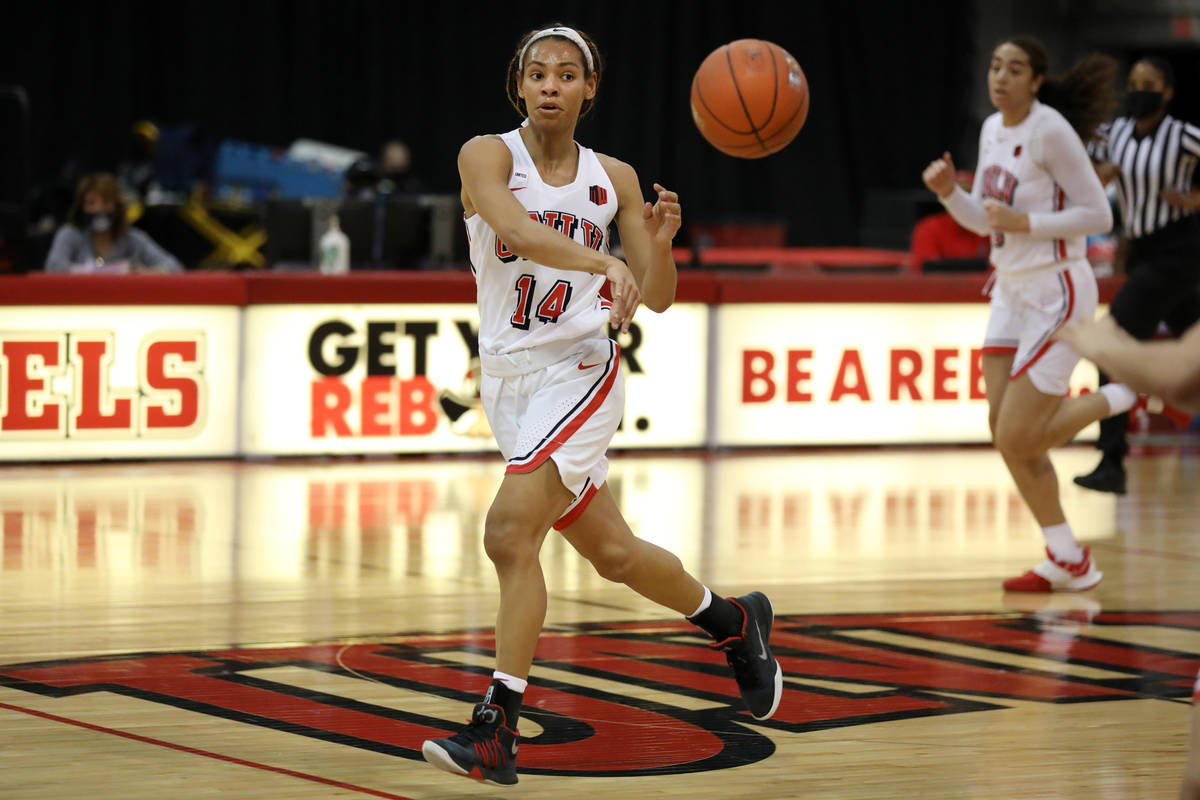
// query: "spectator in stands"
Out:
[395,168]
[938,236]
[360,180]
[97,236]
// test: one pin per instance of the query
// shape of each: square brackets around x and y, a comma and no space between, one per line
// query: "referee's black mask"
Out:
[1142,103]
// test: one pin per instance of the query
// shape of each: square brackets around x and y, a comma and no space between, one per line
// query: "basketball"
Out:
[749,98]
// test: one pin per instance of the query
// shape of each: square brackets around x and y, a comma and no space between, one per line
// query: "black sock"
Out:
[500,695]
[721,620]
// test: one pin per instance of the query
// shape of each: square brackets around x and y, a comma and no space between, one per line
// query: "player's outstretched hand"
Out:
[939,176]
[664,217]
[1090,337]
[625,294]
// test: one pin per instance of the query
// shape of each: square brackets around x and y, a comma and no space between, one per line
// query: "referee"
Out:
[1153,157]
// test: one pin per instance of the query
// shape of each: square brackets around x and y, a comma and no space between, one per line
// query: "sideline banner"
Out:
[95,382]
[403,378]
[854,373]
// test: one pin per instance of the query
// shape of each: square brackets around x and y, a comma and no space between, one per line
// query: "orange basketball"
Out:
[749,98]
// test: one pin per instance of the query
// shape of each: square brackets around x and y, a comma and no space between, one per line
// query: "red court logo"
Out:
[839,670]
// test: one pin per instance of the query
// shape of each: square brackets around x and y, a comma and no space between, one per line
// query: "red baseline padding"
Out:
[201,289]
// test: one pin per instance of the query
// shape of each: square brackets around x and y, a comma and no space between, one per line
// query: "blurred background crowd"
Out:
[213,135]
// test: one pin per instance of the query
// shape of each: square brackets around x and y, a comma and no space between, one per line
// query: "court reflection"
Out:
[69,521]
[732,519]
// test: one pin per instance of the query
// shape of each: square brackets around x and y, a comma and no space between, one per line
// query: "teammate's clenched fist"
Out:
[939,176]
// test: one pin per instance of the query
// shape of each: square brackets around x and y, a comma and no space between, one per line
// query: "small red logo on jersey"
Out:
[1016,151]
[598,195]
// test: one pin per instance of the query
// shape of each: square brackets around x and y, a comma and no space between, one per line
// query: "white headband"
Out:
[568,33]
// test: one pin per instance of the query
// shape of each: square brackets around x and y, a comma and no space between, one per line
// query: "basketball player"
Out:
[1038,196]
[538,208]
[1170,370]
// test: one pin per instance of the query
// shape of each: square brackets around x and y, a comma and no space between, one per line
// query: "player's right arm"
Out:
[966,209]
[484,165]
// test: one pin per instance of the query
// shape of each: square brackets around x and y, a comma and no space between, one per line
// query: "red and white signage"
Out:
[118,382]
[849,373]
[404,378]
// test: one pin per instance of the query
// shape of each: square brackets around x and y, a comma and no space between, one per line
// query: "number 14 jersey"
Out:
[524,305]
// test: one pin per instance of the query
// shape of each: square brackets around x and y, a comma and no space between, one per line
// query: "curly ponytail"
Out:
[1086,95]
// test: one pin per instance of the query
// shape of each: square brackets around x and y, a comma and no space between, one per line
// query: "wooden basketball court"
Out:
[296,629]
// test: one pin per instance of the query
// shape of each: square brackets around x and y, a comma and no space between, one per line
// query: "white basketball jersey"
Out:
[1012,169]
[526,305]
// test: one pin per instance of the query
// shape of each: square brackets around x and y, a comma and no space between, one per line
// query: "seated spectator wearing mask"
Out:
[97,236]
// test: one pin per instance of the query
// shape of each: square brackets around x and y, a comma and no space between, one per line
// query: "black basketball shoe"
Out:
[1108,476]
[759,676]
[485,749]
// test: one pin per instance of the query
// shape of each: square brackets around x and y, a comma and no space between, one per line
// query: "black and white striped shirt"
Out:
[1165,158]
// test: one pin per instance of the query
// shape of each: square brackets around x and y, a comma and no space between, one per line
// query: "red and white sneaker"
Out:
[1053,575]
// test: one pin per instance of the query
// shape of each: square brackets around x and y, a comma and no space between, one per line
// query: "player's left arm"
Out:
[1068,163]
[646,234]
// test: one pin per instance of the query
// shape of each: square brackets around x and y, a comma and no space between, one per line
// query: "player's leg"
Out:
[1023,416]
[996,369]
[522,512]
[1073,414]
[561,417]
[602,536]
[741,626]
[1035,415]
[1018,434]
[1057,300]
[525,507]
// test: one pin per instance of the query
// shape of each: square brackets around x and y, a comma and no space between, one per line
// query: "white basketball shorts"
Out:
[567,411]
[1027,308]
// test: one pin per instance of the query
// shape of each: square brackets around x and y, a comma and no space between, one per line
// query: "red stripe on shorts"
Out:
[575,424]
[567,519]
[1049,341]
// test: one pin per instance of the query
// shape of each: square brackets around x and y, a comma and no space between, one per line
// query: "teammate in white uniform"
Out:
[538,208]
[1037,195]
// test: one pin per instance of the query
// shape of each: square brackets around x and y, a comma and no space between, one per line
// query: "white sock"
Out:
[511,681]
[705,603]
[1061,542]
[1120,397]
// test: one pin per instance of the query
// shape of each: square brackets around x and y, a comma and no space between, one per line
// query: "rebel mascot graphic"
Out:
[893,666]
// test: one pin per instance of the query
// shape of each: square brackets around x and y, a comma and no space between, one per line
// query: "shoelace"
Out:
[735,650]
[475,731]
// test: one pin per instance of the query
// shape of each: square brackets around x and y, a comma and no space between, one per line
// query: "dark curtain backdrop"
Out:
[890,87]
